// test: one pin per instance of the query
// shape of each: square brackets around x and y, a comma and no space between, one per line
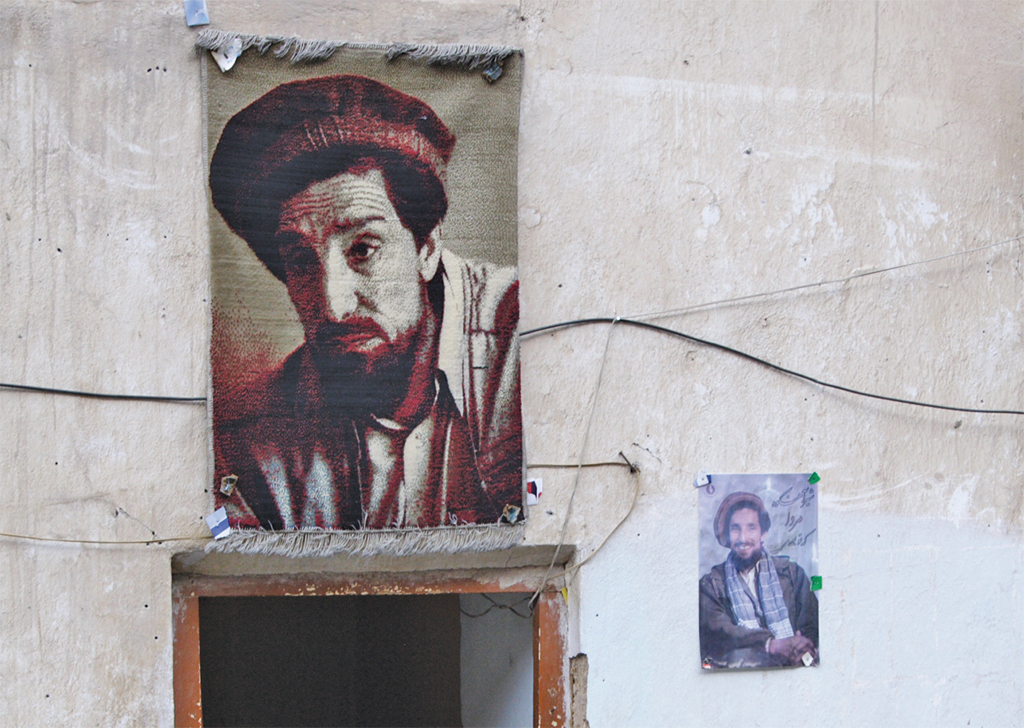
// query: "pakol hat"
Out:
[744,500]
[306,131]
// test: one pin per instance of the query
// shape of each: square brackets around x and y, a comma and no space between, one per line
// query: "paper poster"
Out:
[758,554]
[364,349]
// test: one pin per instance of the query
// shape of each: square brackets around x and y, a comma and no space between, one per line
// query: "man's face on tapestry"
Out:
[353,270]
[745,537]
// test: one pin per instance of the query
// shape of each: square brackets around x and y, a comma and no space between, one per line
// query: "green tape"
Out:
[814,478]
[815,583]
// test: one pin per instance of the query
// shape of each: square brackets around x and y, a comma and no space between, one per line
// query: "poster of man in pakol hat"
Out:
[758,554]
[364,348]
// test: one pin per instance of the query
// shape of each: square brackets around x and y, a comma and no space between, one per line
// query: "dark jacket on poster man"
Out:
[725,644]
[756,610]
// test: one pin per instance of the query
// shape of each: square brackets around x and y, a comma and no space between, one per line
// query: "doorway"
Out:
[330,661]
[376,650]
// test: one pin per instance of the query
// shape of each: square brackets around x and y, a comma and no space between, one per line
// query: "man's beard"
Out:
[744,564]
[374,381]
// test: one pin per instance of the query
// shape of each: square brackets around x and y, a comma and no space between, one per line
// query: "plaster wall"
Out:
[671,154]
[496,660]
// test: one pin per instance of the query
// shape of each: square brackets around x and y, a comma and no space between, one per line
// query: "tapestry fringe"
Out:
[371,542]
[466,56]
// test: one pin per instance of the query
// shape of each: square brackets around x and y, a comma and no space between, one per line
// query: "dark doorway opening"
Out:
[330,660]
[484,686]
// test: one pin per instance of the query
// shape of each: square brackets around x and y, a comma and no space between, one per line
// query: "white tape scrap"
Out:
[534,490]
[227,55]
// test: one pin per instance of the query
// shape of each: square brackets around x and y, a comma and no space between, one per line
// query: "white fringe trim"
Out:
[371,542]
[467,56]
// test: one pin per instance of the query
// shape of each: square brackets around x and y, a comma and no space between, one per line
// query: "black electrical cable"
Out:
[565,325]
[496,605]
[762,362]
[101,395]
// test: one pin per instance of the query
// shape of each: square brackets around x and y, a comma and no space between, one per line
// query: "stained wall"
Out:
[672,154]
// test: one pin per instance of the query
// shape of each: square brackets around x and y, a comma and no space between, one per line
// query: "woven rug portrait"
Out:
[364,347]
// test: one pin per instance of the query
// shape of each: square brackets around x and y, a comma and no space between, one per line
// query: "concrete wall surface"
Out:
[671,154]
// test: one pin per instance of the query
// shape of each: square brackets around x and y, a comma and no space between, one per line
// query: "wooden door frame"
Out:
[550,622]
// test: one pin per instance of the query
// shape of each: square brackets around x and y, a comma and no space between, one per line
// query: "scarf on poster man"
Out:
[769,593]
[314,451]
